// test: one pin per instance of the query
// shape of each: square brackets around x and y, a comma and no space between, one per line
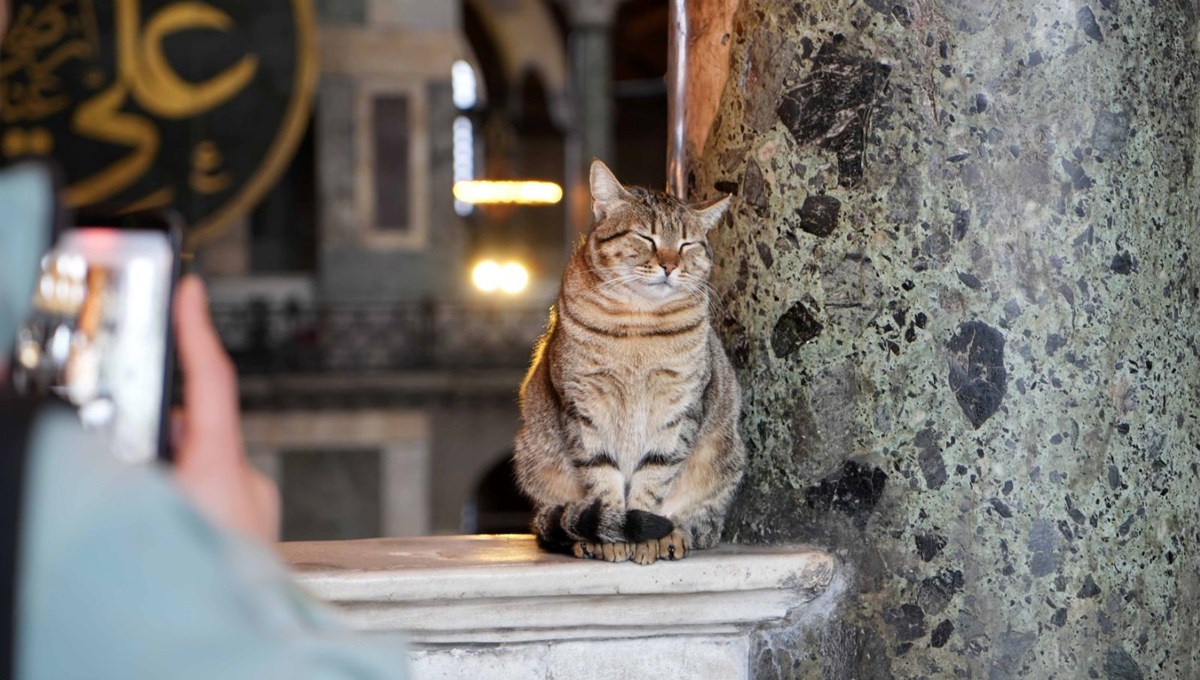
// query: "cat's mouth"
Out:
[661,286]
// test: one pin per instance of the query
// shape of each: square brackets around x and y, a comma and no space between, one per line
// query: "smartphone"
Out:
[100,336]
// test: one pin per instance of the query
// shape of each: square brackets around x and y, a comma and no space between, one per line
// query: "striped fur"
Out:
[628,443]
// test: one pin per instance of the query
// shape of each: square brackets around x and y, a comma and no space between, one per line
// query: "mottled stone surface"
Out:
[958,286]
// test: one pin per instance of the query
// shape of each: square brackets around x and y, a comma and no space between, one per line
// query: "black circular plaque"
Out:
[196,105]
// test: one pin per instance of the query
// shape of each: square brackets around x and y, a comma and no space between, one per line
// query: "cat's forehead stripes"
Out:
[662,214]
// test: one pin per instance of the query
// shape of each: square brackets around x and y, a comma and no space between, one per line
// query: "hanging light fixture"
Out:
[476,192]
[490,276]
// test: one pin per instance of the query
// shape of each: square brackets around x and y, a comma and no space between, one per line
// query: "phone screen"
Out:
[99,334]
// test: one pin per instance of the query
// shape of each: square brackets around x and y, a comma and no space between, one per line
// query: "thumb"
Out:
[210,394]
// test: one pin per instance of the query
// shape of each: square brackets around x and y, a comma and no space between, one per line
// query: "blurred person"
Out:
[141,571]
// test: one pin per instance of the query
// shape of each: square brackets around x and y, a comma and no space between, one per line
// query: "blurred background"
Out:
[379,297]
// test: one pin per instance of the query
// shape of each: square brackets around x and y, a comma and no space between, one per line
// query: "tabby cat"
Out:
[628,444]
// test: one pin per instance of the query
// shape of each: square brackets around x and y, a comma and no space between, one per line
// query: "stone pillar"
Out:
[399,53]
[698,49]
[959,278]
[591,132]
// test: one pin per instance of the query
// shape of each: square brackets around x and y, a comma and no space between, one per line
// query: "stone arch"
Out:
[496,505]
[509,24]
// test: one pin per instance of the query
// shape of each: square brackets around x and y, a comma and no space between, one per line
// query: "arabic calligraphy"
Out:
[145,71]
[35,142]
[38,43]
[100,118]
[41,42]
[207,177]
[144,102]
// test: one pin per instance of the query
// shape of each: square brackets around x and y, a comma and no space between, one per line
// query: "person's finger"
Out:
[211,467]
[209,380]
[266,496]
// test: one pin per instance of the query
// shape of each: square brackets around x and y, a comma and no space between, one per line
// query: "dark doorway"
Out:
[497,506]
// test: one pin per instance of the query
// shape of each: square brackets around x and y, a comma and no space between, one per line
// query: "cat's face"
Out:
[649,243]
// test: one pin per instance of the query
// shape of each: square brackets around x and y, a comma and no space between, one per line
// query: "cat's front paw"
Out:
[674,546]
[609,552]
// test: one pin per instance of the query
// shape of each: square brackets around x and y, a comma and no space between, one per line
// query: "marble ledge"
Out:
[473,590]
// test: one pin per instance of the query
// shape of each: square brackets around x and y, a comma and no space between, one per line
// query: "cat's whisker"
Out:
[706,289]
[612,283]
[606,270]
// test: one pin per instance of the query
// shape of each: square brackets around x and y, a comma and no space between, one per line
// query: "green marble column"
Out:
[961,290]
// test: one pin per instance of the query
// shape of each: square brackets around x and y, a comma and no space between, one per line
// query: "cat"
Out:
[628,445]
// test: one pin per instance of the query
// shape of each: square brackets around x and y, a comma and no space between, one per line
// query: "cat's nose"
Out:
[669,267]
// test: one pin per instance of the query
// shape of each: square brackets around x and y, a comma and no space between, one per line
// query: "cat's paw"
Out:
[609,552]
[645,553]
[673,546]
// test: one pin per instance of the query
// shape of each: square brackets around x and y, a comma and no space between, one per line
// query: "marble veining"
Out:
[959,279]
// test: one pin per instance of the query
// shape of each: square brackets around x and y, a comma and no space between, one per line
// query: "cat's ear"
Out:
[607,192]
[710,213]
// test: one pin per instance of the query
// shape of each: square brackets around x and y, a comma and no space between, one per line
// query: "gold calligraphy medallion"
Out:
[189,104]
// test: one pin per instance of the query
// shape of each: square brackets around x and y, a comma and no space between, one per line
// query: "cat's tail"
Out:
[558,527]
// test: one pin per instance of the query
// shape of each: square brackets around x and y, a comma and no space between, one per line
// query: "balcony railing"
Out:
[294,338]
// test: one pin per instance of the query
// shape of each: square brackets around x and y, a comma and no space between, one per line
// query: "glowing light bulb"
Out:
[487,276]
[514,278]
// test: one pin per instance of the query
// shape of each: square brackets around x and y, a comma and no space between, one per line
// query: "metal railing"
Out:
[266,338]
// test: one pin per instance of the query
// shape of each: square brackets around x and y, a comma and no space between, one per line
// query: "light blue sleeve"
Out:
[121,578]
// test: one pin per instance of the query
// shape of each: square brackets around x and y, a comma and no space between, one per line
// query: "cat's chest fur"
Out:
[637,395]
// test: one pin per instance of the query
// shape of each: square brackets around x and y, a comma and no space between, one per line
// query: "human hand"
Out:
[210,459]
